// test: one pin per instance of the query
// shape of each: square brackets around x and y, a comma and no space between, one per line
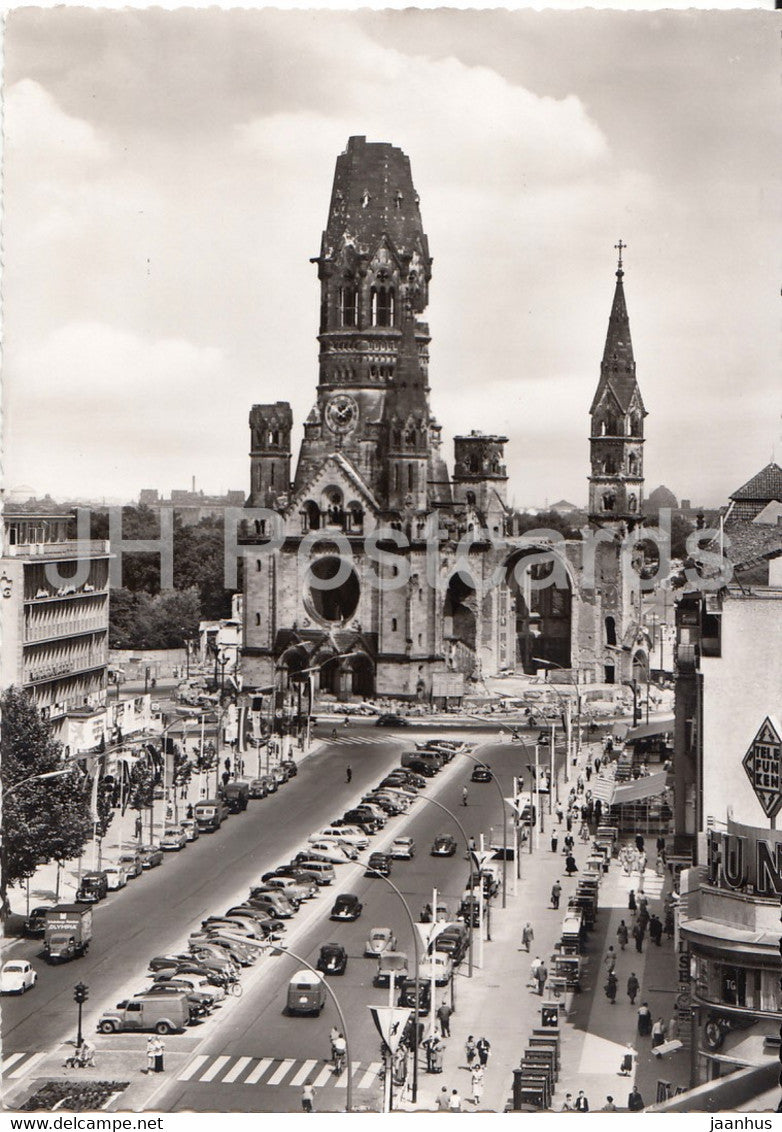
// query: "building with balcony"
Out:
[728,792]
[54,616]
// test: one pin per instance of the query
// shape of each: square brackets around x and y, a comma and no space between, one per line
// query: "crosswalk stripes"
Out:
[356,741]
[17,1065]
[224,1069]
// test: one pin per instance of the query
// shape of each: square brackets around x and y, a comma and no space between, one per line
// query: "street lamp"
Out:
[264,946]
[494,779]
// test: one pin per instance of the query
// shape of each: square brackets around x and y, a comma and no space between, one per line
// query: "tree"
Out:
[141,786]
[46,820]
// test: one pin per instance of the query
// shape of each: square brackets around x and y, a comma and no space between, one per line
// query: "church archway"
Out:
[459,612]
[640,666]
[542,592]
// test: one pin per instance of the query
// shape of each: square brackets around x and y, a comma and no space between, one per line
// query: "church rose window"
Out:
[332,589]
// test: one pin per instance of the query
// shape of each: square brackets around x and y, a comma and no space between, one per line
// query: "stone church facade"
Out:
[391,575]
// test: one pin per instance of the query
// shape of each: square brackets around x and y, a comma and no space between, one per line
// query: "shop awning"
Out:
[639,788]
[649,730]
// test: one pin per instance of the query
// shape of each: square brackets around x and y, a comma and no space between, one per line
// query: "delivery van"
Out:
[161,1013]
[306,993]
[210,814]
[236,795]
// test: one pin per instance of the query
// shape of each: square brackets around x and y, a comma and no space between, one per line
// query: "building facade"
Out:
[393,575]
[55,616]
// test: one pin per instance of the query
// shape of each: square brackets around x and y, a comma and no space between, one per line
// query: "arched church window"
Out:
[609,466]
[398,437]
[383,306]
[610,631]
[396,477]
[410,477]
[271,475]
[348,304]
[632,502]
[393,624]
[635,424]
[257,619]
[470,497]
[276,437]
[609,501]
[410,436]
[632,464]
[612,428]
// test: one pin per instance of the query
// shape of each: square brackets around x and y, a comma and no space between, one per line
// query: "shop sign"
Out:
[744,858]
[763,764]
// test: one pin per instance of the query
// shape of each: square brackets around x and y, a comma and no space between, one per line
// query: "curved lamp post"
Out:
[265,946]
[413,929]
[470,857]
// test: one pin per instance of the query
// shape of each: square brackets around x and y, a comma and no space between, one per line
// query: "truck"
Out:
[236,796]
[210,814]
[67,931]
[164,1013]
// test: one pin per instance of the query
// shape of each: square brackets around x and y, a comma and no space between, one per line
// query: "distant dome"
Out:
[661,497]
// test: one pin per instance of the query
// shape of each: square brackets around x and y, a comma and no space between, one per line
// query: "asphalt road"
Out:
[257,1058]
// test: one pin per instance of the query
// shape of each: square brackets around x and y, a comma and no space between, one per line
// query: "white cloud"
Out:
[35,125]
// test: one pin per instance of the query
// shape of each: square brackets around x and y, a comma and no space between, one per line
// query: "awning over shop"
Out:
[726,937]
[649,730]
[639,789]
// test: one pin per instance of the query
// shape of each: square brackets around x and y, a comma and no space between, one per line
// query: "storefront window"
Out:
[733,984]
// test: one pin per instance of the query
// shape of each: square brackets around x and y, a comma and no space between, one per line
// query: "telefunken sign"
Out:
[744,856]
[763,764]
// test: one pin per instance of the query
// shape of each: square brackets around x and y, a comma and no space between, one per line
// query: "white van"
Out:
[322,869]
[348,833]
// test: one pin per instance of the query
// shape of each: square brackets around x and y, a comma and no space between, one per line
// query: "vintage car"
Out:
[347,906]
[131,863]
[379,863]
[116,877]
[453,941]
[481,773]
[258,788]
[470,906]
[290,766]
[93,887]
[402,849]
[380,940]
[35,922]
[437,966]
[390,719]
[443,846]
[329,851]
[407,995]
[17,976]
[151,856]
[173,839]
[190,828]
[333,959]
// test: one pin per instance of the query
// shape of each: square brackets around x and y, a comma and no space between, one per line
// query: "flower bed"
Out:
[76,1096]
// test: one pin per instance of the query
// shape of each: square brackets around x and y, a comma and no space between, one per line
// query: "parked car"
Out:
[279,775]
[348,833]
[258,788]
[278,903]
[323,870]
[151,856]
[454,941]
[380,940]
[116,877]
[263,916]
[443,846]
[93,887]
[301,876]
[422,766]
[333,959]
[363,819]
[173,838]
[292,888]
[481,773]
[17,976]
[329,851]
[391,719]
[35,922]
[402,849]
[379,863]
[437,965]
[391,964]
[190,829]
[470,908]
[270,782]
[131,863]
[290,766]
[325,844]
[407,995]
[347,906]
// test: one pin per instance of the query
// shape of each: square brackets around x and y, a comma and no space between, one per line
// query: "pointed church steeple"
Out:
[617,411]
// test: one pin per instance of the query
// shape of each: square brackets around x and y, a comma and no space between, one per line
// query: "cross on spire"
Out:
[620,248]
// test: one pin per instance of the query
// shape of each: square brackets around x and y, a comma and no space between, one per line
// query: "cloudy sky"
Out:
[167,177]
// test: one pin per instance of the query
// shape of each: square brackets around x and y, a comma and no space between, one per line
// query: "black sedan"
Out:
[36,921]
[379,863]
[444,846]
[333,959]
[481,773]
[346,907]
[390,719]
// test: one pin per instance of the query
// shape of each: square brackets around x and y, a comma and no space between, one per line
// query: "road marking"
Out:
[23,1070]
[323,1076]
[342,1081]
[281,1071]
[192,1066]
[215,1067]
[9,1061]
[254,1077]
[370,1075]
[235,1070]
[303,1073]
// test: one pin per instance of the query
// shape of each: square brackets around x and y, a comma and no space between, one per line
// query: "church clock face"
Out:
[341,413]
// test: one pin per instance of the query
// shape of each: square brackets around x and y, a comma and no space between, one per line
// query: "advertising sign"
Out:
[745,857]
[763,764]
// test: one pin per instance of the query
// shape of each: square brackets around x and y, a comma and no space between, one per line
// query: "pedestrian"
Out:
[307,1098]
[454,1102]
[190,812]
[476,1079]
[348,773]
[567,1104]
[560,813]
[542,975]
[642,863]
[638,936]
[628,1057]
[483,1046]
[669,923]
[644,1020]
[635,1101]
[535,966]
[554,840]
[655,930]
[470,1051]
[527,935]
[633,987]
[609,747]
[160,1050]
[658,1033]
[138,827]
[465,793]
[631,904]
[569,822]
[598,811]
[568,843]
[444,1018]
[611,988]
[556,890]
[622,935]
[570,865]
[588,773]
[442,1100]
[150,1055]
[609,1106]
[610,961]
[582,1104]
[639,843]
